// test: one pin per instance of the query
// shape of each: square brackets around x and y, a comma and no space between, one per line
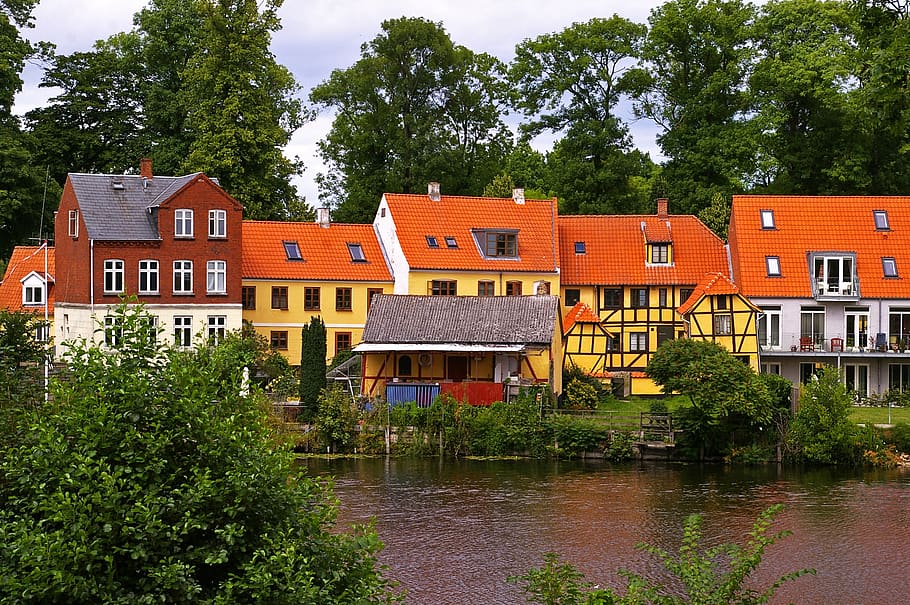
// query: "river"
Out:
[454,530]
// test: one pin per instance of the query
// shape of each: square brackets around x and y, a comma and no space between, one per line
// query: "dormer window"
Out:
[32,290]
[498,244]
[432,242]
[580,248]
[292,250]
[881,220]
[834,274]
[356,251]
[660,254]
[450,242]
[183,222]
[767,219]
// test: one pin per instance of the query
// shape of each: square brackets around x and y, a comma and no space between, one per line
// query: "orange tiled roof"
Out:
[324,250]
[615,250]
[714,284]
[806,224]
[24,260]
[416,217]
[581,313]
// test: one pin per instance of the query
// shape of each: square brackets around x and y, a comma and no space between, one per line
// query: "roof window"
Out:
[772,263]
[580,248]
[432,242]
[356,251]
[881,220]
[767,219]
[450,242]
[292,249]
[889,266]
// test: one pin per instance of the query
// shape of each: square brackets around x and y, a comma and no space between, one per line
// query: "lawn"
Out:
[876,415]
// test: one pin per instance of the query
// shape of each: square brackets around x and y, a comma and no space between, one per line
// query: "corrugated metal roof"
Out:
[476,320]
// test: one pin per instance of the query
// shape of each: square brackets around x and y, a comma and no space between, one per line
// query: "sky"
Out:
[321,35]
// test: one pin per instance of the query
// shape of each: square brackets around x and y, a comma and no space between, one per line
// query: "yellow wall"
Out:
[743,341]
[266,320]
[418,281]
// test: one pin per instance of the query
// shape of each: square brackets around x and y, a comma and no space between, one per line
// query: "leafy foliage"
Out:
[558,583]
[414,108]
[336,419]
[822,431]
[312,366]
[153,480]
[22,360]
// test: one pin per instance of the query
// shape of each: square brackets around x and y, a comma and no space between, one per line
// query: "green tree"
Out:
[812,141]
[822,431]
[414,108]
[312,366]
[242,107]
[720,387]
[22,360]
[336,419]
[569,83]
[692,84]
[716,216]
[153,480]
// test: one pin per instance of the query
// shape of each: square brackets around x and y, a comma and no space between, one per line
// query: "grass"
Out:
[876,415]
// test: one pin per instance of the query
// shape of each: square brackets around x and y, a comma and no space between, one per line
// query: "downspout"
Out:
[91,277]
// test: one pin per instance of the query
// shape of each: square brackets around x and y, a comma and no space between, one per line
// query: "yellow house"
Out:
[717,312]
[28,285]
[295,271]
[469,246]
[474,348]
[634,271]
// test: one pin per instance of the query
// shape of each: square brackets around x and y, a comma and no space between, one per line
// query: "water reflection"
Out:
[454,530]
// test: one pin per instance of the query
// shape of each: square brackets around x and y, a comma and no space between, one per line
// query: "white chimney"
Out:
[323,217]
[518,195]
[433,192]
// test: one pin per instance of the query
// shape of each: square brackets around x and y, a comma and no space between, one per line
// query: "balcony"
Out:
[836,290]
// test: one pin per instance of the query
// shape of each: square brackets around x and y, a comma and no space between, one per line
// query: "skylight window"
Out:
[767,219]
[772,263]
[356,251]
[450,242]
[292,249]
[432,242]
[889,266]
[580,248]
[881,220]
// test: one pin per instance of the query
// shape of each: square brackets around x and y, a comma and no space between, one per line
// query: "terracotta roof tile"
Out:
[417,217]
[615,250]
[581,313]
[325,252]
[806,224]
[23,261]
[713,284]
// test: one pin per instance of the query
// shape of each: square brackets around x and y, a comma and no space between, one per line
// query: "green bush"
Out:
[621,447]
[574,436]
[899,437]
[580,395]
[821,431]
[336,420]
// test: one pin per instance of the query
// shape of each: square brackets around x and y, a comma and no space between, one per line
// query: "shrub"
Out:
[822,431]
[574,436]
[580,395]
[621,447]
[336,420]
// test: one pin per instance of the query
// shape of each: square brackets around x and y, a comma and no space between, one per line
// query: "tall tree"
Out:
[883,97]
[242,107]
[312,366]
[811,141]
[697,55]
[569,84]
[414,108]
[21,177]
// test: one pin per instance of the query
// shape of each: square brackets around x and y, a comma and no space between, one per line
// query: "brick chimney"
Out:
[145,167]
[662,208]
[323,217]
[518,195]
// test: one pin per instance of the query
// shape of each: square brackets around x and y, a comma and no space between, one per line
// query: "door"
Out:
[456,367]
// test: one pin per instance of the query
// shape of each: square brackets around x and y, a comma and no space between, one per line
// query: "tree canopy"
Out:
[152,478]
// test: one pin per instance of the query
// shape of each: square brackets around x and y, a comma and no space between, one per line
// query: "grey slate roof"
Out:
[123,213]
[499,320]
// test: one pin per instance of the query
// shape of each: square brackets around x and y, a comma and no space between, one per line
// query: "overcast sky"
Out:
[321,35]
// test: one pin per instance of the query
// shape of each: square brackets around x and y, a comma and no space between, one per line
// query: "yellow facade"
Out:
[730,321]
[474,283]
[282,327]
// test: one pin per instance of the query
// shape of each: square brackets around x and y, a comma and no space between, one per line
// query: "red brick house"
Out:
[174,242]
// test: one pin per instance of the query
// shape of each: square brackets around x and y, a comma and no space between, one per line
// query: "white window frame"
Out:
[183,222]
[33,295]
[183,277]
[73,226]
[113,276]
[772,264]
[855,335]
[767,219]
[844,272]
[638,341]
[216,277]
[216,326]
[148,276]
[723,324]
[660,254]
[816,332]
[183,330]
[889,267]
[769,322]
[113,330]
[218,223]
[859,374]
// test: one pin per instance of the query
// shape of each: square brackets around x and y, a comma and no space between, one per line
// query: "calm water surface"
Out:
[454,530]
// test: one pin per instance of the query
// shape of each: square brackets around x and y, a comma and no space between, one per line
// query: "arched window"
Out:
[404,365]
